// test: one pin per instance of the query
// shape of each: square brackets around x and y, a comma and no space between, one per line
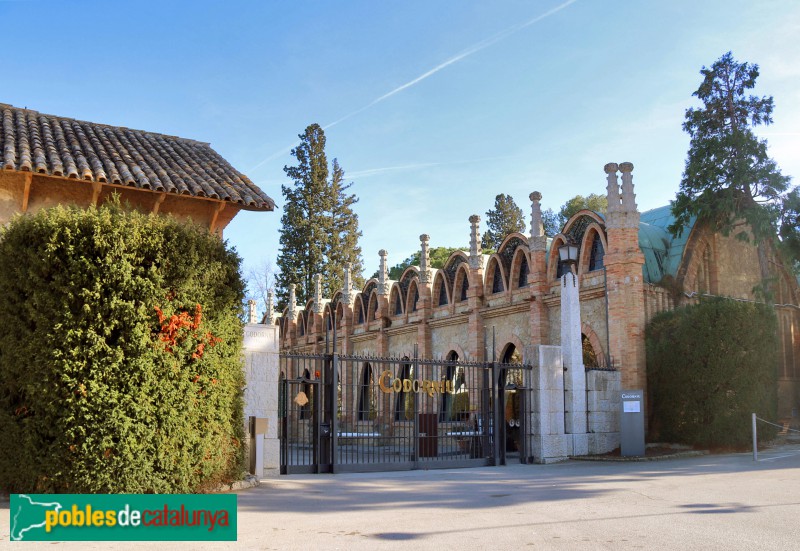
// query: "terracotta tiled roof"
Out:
[58,146]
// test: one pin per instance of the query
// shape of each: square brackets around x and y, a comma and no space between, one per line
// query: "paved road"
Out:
[711,502]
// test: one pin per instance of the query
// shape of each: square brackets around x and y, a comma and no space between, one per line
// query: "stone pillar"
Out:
[424,304]
[261,367]
[623,262]
[476,332]
[291,317]
[612,188]
[292,308]
[574,371]
[424,259]
[384,286]
[537,275]
[383,274]
[317,294]
[348,296]
[548,443]
[347,300]
[252,316]
[475,242]
[537,226]
[270,308]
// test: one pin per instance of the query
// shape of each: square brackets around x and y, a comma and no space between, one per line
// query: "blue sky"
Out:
[432,108]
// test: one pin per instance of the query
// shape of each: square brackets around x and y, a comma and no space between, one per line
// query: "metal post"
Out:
[415,439]
[608,329]
[334,407]
[755,439]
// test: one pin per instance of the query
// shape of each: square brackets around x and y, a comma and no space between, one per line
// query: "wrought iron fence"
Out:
[359,413]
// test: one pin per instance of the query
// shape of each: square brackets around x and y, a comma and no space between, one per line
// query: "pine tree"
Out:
[319,229]
[505,218]
[729,177]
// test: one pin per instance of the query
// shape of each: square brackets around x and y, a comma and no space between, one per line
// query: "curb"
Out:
[251,481]
[677,455]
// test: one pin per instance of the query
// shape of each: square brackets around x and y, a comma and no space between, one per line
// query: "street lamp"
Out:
[568,254]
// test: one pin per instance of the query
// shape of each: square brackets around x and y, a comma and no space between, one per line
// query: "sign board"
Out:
[632,423]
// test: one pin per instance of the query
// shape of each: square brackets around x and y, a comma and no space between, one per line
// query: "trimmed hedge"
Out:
[709,367]
[119,354]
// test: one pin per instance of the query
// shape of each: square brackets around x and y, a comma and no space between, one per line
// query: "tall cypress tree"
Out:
[506,217]
[319,230]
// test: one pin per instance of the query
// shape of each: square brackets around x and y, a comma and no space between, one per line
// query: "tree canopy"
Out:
[505,218]
[553,222]
[729,176]
[319,229]
[437,255]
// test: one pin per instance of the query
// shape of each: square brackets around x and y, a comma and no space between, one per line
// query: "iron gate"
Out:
[342,413]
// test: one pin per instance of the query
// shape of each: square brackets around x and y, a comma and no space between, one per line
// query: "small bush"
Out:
[709,367]
[119,354]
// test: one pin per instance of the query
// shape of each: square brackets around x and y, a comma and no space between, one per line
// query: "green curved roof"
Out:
[662,252]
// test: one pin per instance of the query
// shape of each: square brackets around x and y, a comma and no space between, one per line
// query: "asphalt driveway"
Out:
[710,502]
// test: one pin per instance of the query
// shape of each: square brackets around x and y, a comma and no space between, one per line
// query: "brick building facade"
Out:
[630,268]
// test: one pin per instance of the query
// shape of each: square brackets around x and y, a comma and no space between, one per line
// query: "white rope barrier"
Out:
[784,429]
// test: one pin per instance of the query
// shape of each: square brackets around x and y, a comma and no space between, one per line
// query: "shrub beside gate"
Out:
[119,354]
[709,367]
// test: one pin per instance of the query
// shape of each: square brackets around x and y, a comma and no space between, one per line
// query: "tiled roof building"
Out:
[48,159]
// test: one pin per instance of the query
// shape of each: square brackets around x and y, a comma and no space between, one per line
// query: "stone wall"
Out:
[602,404]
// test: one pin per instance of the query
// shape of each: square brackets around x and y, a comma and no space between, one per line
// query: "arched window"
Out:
[414,299]
[446,401]
[523,273]
[404,401]
[497,280]
[367,397]
[301,326]
[511,355]
[464,288]
[589,355]
[597,254]
[360,315]
[398,304]
[442,292]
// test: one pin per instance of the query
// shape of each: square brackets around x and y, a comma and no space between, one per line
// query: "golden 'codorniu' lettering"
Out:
[388,385]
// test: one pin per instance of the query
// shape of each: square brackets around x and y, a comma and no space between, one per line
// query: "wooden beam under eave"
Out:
[97,187]
[26,193]
[158,202]
[212,228]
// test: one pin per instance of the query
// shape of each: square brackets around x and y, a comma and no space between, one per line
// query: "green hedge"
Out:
[709,367]
[119,354]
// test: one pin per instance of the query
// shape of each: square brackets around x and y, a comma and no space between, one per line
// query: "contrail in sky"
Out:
[483,44]
[374,171]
